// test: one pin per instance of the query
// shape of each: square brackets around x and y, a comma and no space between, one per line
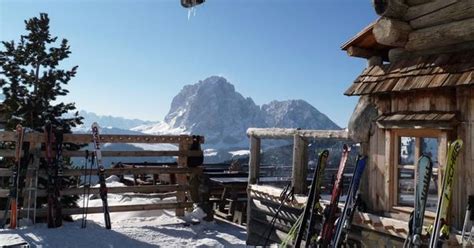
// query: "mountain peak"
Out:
[214,109]
[296,114]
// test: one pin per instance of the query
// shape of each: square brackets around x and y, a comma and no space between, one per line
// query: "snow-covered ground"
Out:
[157,228]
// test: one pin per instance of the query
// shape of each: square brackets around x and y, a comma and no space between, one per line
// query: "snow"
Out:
[160,128]
[240,153]
[157,228]
[210,152]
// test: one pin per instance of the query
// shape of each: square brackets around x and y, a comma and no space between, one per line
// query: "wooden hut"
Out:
[417,92]
[416,96]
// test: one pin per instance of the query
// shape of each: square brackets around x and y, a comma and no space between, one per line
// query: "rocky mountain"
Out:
[296,114]
[214,108]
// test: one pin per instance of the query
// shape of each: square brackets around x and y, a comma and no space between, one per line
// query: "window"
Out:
[409,146]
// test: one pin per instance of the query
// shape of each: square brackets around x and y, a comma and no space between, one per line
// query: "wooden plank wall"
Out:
[381,169]
[422,100]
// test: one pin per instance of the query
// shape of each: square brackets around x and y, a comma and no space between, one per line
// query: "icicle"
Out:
[192,10]
[189,13]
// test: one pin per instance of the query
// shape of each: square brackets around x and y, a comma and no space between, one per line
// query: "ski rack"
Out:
[177,172]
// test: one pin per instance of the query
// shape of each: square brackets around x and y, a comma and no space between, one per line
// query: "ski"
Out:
[51,171]
[331,209]
[424,174]
[317,209]
[12,201]
[351,203]
[58,176]
[313,197]
[440,225]
[466,235]
[285,196]
[101,174]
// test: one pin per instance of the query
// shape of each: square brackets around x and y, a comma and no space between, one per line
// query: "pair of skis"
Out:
[54,171]
[415,226]
[335,229]
[440,231]
[313,199]
[12,201]
[352,202]
[101,174]
[330,211]
[440,225]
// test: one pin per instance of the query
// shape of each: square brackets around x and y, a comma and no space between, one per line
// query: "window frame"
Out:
[396,134]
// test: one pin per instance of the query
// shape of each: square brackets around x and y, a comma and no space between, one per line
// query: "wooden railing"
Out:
[179,171]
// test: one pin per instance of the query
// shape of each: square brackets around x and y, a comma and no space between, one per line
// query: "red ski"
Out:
[331,209]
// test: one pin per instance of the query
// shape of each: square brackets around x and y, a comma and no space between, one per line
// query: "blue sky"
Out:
[135,56]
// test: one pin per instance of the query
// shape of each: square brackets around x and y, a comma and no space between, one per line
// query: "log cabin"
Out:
[416,95]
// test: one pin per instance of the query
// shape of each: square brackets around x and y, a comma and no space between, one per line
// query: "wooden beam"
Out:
[254,160]
[440,125]
[106,138]
[447,11]
[426,9]
[113,190]
[391,32]
[119,171]
[416,2]
[390,8]
[396,54]
[122,208]
[81,153]
[288,133]
[359,52]
[442,35]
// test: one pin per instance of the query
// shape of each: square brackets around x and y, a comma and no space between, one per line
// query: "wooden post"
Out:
[181,179]
[390,173]
[300,164]
[254,161]
[442,152]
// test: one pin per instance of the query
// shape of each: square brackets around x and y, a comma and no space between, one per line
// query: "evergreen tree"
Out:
[32,81]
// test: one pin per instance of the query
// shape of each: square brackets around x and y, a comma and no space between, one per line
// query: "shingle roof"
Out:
[422,119]
[442,70]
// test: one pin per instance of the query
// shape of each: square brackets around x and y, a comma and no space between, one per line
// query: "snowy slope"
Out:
[158,228]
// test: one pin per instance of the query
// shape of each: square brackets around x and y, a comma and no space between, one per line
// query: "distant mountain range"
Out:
[110,121]
[214,109]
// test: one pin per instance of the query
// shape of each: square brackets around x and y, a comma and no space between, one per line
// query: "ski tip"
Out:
[457,144]
[19,127]
[346,148]
[95,125]
[324,153]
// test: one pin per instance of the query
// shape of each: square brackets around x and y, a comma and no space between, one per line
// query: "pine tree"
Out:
[32,81]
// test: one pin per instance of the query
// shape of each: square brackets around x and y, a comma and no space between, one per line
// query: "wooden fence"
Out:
[178,171]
